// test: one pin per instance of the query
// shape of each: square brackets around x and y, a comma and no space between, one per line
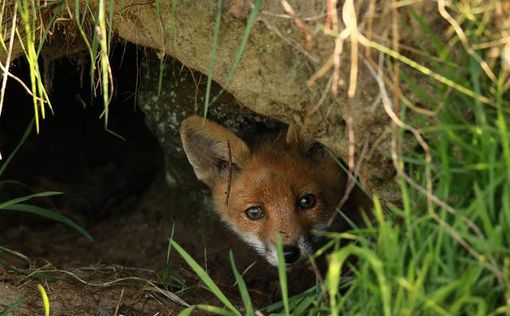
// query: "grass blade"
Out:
[428,72]
[49,214]
[244,41]
[282,274]
[11,308]
[105,72]
[243,289]
[337,260]
[210,309]
[187,311]
[27,197]
[211,285]
[27,41]
[27,132]
[242,47]
[46,301]
[212,58]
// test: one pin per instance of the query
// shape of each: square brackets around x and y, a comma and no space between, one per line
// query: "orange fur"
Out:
[273,174]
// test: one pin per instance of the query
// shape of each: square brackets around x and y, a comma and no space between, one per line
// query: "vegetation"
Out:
[18,204]
[445,250]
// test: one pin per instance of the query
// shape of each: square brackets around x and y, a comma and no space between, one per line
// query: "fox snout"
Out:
[291,255]
[302,249]
[292,252]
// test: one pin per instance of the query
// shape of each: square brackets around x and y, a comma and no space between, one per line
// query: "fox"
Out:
[270,184]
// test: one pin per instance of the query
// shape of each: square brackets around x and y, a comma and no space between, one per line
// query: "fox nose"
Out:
[291,254]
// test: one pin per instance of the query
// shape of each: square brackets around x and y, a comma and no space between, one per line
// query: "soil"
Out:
[114,186]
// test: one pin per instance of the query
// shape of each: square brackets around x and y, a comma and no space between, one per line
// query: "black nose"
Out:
[291,254]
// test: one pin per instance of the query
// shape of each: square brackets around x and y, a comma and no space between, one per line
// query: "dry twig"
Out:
[5,68]
[299,23]
[229,184]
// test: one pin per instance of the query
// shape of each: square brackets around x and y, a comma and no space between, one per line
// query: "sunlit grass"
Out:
[36,21]
[28,12]
[45,299]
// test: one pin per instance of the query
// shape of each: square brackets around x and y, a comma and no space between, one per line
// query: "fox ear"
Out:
[306,144]
[211,148]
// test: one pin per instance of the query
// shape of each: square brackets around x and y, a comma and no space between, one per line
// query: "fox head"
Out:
[286,185]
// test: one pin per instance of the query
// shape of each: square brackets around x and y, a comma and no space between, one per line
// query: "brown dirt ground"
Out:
[131,246]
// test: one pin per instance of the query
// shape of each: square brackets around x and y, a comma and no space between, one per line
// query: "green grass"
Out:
[33,35]
[28,12]
[250,22]
[445,249]
[209,283]
[243,289]
[443,254]
[169,276]
[19,205]
[213,56]
[11,308]
[282,274]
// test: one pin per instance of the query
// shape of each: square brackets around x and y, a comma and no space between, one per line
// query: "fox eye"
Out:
[254,213]
[306,202]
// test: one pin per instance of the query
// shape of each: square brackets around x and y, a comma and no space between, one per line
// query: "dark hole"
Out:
[100,170]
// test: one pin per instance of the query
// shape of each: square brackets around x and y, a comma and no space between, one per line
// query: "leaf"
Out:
[43,212]
[27,197]
[243,289]
[211,285]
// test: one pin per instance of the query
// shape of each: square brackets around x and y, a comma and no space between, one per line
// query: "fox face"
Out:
[286,185]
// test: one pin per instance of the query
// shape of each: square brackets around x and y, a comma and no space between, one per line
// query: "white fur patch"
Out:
[271,255]
[305,247]
[255,243]
[250,239]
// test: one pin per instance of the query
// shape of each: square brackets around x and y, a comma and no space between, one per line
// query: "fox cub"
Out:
[275,184]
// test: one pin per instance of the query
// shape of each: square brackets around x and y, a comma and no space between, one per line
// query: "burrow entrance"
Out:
[113,184]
